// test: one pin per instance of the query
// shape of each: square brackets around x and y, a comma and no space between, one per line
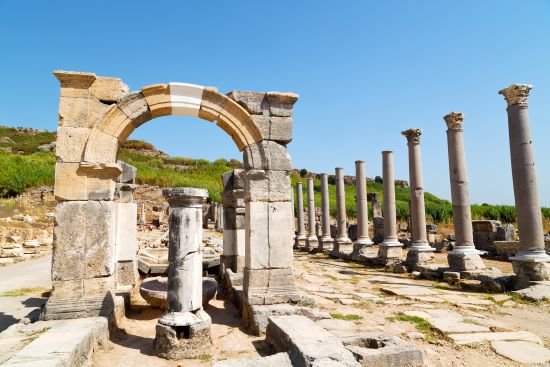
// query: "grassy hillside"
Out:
[31,168]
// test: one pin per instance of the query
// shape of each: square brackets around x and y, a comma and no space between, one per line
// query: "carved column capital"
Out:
[454,120]
[412,135]
[516,94]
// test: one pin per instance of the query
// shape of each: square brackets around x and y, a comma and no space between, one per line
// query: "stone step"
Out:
[475,338]
[306,342]
[56,343]
[276,360]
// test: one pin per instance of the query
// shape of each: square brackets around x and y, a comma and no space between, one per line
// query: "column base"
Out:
[75,308]
[361,247]
[419,254]
[183,335]
[465,259]
[311,243]
[342,247]
[390,252]
[326,244]
[233,262]
[531,266]
[300,242]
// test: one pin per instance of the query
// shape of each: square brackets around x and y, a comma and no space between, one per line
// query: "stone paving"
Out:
[481,324]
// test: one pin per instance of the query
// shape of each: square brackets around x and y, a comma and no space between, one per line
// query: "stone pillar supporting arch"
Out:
[96,115]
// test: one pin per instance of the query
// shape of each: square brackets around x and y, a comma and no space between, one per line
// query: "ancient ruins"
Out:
[269,241]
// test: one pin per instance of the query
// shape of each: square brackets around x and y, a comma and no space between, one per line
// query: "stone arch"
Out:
[96,115]
[172,99]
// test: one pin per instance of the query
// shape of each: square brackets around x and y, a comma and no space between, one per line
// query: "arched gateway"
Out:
[93,258]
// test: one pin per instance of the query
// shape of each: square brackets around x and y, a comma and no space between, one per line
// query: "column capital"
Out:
[516,94]
[454,120]
[185,196]
[412,135]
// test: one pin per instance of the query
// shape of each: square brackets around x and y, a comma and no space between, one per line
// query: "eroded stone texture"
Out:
[109,90]
[233,222]
[267,155]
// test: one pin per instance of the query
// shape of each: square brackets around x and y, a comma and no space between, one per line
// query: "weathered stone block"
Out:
[280,188]
[281,104]
[97,286]
[74,83]
[105,148]
[126,232]
[280,235]
[126,273]
[69,241]
[73,111]
[257,235]
[136,108]
[70,182]
[254,102]
[264,125]
[109,90]
[100,185]
[212,103]
[158,98]
[66,289]
[71,142]
[267,155]
[128,174]
[99,254]
[115,123]
[280,129]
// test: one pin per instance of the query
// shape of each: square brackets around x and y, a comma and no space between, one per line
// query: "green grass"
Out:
[421,324]
[33,168]
[349,317]
[24,292]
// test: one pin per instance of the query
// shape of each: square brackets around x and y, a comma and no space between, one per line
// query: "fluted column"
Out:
[464,255]
[342,244]
[390,250]
[184,300]
[326,241]
[420,250]
[300,240]
[531,260]
[311,241]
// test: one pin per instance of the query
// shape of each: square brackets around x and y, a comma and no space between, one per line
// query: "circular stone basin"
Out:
[154,291]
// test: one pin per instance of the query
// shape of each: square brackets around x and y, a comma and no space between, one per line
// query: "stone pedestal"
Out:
[464,255]
[184,330]
[325,241]
[390,250]
[343,246]
[531,261]
[363,241]
[300,240]
[420,252]
[233,222]
[311,241]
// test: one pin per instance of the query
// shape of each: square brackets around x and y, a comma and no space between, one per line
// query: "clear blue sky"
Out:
[364,70]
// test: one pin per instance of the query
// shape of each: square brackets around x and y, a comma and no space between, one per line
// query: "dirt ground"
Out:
[330,282]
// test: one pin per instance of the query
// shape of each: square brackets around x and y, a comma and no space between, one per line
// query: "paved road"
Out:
[27,274]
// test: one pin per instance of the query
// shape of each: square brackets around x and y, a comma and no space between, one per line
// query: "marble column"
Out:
[311,241]
[390,250]
[531,261]
[326,241]
[300,240]
[420,252]
[142,217]
[464,255]
[293,216]
[363,242]
[342,243]
[184,330]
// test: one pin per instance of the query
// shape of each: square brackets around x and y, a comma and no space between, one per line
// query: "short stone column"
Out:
[326,242]
[531,261]
[342,243]
[390,250]
[363,240]
[464,255]
[300,240]
[420,252]
[311,241]
[184,330]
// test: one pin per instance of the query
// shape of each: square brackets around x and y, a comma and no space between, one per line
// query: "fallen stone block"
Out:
[475,338]
[382,350]
[307,344]
[539,291]
[522,351]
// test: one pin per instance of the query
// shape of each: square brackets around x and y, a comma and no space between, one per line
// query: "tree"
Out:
[303,172]
[378,179]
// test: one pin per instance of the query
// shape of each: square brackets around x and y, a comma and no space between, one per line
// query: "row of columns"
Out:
[531,260]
